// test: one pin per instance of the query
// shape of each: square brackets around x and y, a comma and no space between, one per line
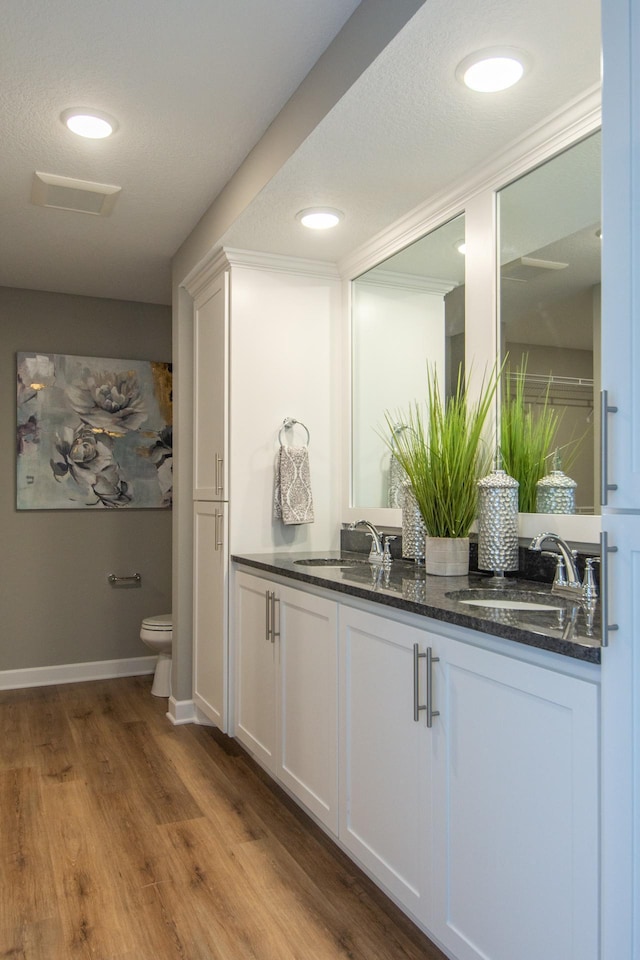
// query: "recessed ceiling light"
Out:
[88,123]
[489,71]
[319,218]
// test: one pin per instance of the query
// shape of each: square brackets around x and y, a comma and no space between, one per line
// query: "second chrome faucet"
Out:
[567,581]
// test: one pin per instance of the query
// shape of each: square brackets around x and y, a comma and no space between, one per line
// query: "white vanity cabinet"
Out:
[515,808]
[286,685]
[385,757]
[484,825]
[468,770]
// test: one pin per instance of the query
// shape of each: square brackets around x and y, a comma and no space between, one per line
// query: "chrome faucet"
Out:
[567,579]
[376,553]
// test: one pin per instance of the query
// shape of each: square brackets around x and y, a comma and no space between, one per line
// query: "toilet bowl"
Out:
[157,634]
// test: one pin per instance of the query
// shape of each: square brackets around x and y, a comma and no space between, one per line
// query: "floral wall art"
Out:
[93,433]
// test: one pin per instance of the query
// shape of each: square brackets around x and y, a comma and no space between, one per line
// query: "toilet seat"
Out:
[160,624]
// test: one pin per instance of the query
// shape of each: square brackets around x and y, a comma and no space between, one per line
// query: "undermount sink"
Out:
[510,600]
[331,561]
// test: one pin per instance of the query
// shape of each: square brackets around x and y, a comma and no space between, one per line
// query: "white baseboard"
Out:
[181,711]
[76,672]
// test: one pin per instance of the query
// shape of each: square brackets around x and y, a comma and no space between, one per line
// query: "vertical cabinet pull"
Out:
[267,617]
[270,616]
[417,706]
[605,626]
[605,486]
[431,713]
[218,542]
[219,483]
[428,706]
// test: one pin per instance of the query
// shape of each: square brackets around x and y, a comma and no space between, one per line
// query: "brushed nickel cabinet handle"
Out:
[417,706]
[431,713]
[219,532]
[274,632]
[267,618]
[219,478]
[605,626]
[605,410]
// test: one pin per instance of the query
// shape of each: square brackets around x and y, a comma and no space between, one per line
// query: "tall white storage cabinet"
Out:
[621,462]
[210,516]
[266,348]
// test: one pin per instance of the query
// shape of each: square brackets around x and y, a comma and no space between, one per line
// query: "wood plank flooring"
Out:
[123,837]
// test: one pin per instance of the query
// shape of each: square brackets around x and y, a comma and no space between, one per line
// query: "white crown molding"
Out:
[76,672]
[567,125]
[407,281]
[204,271]
[274,262]
[222,258]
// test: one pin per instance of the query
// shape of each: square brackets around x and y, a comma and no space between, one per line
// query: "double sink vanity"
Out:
[443,730]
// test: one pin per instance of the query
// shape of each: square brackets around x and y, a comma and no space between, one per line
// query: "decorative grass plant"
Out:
[443,454]
[527,438]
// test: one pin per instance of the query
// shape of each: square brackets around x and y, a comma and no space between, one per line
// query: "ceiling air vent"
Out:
[528,268]
[66,193]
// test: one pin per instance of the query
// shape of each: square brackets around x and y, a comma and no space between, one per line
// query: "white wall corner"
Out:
[181,711]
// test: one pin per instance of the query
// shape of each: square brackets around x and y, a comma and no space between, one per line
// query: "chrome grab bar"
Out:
[136,578]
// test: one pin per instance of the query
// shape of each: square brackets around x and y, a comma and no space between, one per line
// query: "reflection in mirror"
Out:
[407,312]
[549,222]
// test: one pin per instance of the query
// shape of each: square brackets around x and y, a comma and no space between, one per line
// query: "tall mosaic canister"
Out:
[498,522]
[414,530]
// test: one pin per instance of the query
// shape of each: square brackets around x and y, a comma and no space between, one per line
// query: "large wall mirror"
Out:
[407,312]
[549,295]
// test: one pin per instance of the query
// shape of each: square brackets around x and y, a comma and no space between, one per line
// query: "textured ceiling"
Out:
[194,85]
[408,128]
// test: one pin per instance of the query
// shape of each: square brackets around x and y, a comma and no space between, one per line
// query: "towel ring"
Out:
[289,422]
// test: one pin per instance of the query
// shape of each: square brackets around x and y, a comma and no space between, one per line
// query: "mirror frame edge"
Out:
[582,117]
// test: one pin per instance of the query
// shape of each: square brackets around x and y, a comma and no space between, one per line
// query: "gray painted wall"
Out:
[55,602]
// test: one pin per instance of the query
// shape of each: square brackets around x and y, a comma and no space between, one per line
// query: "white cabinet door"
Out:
[210,433]
[255,665]
[620,726]
[307,700]
[286,688]
[385,765]
[210,607]
[516,849]
[621,228]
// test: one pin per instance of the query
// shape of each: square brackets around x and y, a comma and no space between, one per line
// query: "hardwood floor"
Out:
[125,838]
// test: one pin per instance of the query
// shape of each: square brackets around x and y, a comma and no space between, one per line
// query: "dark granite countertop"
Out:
[405,586]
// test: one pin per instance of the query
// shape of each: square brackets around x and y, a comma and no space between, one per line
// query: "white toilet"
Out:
[157,633]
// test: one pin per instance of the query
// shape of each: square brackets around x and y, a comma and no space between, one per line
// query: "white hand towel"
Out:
[293,501]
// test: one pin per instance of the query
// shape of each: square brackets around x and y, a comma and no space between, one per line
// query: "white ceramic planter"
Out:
[447,557]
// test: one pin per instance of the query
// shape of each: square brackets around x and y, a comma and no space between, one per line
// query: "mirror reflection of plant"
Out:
[443,454]
[528,436]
